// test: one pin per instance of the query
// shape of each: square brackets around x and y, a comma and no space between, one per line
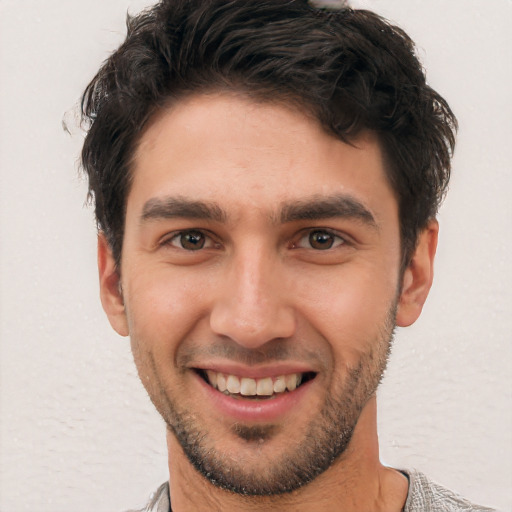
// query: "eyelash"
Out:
[337,239]
[168,241]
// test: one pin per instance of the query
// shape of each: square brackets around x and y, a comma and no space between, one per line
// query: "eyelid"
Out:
[210,239]
[343,238]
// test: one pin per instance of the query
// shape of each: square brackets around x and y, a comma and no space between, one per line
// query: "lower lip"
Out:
[251,410]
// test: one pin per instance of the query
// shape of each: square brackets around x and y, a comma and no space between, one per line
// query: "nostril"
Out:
[252,326]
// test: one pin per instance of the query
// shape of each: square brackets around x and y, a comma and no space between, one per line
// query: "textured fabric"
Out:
[427,496]
[158,501]
[423,496]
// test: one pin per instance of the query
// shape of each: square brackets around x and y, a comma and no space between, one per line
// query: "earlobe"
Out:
[418,276]
[110,287]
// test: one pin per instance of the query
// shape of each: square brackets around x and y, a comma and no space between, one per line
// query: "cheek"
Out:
[350,309]
[162,309]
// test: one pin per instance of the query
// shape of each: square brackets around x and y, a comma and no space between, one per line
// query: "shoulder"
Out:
[158,501]
[427,495]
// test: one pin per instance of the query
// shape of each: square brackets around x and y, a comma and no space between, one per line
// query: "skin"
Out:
[259,297]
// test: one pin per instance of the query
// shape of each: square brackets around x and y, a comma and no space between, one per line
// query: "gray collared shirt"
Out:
[423,496]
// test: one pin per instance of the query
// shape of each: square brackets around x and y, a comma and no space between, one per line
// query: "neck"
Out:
[355,481]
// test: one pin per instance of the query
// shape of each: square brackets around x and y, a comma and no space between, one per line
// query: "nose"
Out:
[251,304]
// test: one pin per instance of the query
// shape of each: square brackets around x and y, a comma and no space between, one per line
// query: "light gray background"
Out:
[77,432]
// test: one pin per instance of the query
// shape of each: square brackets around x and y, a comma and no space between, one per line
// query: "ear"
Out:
[418,276]
[110,289]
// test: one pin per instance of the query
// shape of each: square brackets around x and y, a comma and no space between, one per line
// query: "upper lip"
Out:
[256,372]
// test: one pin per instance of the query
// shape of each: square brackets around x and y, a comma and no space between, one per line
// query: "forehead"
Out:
[228,149]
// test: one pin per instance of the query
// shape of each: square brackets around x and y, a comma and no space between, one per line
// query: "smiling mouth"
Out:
[256,389]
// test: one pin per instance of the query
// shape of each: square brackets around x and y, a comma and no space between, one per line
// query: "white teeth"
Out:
[267,386]
[291,381]
[279,384]
[247,387]
[221,382]
[233,384]
[212,377]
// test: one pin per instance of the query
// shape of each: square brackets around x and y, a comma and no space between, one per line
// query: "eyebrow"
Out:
[172,207]
[311,208]
[321,207]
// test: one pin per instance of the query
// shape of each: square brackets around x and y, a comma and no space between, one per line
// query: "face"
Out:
[259,282]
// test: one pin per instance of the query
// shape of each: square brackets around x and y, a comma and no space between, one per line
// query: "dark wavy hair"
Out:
[351,69]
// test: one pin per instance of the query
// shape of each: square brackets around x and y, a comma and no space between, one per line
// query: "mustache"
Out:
[272,351]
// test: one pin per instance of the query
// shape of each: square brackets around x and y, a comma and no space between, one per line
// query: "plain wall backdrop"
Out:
[77,431]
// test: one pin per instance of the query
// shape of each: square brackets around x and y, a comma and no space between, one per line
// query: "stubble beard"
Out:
[326,439]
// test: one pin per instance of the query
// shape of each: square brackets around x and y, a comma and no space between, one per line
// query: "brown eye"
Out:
[321,240]
[190,240]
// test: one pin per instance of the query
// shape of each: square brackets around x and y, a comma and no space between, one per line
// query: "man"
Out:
[266,177]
